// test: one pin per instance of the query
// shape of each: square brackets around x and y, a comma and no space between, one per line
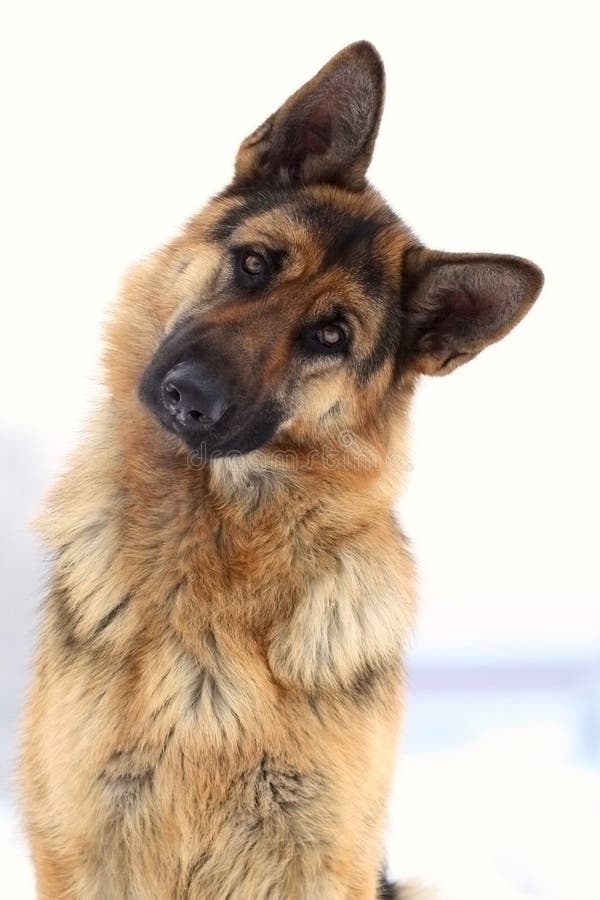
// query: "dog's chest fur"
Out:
[224,666]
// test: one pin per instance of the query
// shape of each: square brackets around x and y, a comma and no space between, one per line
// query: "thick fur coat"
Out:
[218,685]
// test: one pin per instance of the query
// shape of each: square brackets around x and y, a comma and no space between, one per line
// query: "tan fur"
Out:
[283,599]
[218,683]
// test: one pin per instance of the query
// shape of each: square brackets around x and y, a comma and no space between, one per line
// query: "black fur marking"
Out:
[348,238]
[387,345]
[387,890]
[219,542]
[129,772]
[313,702]
[277,788]
[66,620]
[369,683]
[172,595]
[196,866]
[127,785]
[275,797]
[132,782]
[112,614]
[161,709]
[331,413]
[252,201]
[352,248]
[211,643]
[166,742]
[206,685]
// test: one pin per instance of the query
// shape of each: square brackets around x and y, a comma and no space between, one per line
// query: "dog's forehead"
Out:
[322,211]
[335,227]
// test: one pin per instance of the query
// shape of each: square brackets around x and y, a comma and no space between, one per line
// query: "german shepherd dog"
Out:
[218,683]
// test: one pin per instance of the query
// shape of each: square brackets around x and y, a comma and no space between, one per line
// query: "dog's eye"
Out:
[252,268]
[253,263]
[331,336]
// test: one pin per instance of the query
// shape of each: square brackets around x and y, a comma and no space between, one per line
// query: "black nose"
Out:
[192,396]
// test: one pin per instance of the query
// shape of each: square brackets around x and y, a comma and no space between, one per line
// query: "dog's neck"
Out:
[297,558]
[154,483]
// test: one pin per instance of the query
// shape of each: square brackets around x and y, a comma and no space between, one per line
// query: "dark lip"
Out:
[205,443]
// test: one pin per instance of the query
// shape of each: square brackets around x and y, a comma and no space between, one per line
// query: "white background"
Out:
[120,119]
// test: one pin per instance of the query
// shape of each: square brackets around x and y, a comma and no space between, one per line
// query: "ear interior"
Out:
[458,304]
[325,132]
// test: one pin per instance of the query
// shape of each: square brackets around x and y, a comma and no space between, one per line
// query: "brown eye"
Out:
[325,338]
[253,264]
[332,336]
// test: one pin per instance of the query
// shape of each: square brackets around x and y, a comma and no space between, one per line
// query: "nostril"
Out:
[172,393]
[190,397]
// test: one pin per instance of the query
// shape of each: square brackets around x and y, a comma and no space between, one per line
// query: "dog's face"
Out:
[297,301]
[298,317]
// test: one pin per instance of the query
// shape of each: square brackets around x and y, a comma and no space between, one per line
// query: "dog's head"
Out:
[297,301]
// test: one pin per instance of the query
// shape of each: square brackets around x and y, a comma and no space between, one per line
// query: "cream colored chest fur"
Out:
[199,732]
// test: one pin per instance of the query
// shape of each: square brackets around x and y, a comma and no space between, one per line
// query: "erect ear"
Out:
[456,304]
[325,132]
